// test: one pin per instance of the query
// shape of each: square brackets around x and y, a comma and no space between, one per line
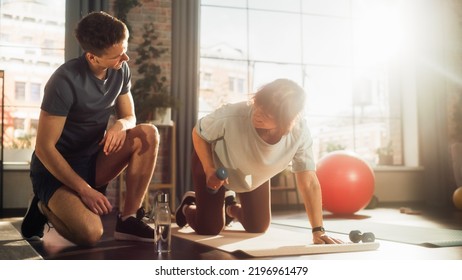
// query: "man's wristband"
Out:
[315,229]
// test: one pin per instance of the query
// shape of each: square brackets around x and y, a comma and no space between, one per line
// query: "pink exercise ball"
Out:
[347,182]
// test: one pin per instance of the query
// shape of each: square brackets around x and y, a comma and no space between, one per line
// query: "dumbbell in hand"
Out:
[221,174]
[356,236]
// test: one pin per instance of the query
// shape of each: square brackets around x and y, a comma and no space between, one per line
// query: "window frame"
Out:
[408,142]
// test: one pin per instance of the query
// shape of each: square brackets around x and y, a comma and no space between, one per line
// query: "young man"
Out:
[77,153]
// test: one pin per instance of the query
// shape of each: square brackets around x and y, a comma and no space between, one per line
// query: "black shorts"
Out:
[45,184]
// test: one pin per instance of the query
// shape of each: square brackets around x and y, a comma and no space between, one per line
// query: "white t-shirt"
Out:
[249,160]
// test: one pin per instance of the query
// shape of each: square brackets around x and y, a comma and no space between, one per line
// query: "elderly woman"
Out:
[252,141]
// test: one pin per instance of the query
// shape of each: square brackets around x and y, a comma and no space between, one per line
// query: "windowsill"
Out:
[26,165]
[20,165]
[390,168]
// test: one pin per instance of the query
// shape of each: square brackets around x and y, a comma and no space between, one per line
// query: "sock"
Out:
[39,205]
[128,216]
[43,208]
[183,209]
[227,209]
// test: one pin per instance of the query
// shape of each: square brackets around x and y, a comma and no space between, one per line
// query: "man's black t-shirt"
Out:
[87,102]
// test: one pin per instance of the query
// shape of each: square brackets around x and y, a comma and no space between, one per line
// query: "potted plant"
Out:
[331,147]
[385,154]
[158,107]
[122,8]
[151,93]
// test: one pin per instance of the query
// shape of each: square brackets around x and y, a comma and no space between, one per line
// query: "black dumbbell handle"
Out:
[356,236]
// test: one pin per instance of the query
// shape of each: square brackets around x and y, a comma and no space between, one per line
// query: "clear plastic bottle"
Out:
[163,223]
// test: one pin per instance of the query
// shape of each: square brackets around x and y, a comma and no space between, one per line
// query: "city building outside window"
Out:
[31,48]
[343,52]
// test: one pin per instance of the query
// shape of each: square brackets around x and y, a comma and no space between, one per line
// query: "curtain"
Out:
[434,143]
[75,10]
[185,53]
[434,84]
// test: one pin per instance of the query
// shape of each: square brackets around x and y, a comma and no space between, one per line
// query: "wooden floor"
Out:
[54,247]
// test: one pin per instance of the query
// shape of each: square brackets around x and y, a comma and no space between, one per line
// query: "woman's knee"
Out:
[207,228]
[256,226]
[255,217]
[209,221]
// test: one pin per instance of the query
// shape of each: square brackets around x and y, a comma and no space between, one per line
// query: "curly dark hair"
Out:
[99,31]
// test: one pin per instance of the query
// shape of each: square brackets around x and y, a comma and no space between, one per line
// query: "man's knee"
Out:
[149,133]
[151,130]
[89,236]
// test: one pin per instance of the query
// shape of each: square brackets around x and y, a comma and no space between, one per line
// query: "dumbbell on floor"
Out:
[356,236]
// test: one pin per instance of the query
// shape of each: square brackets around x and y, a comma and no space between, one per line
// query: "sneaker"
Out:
[133,229]
[140,213]
[230,199]
[189,198]
[34,222]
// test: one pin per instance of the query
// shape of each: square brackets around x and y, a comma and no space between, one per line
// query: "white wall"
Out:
[399,184]
[393,184]
[17,188]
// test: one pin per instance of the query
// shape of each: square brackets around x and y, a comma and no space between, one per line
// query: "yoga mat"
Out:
[13,246]
[423,236]
[275,242]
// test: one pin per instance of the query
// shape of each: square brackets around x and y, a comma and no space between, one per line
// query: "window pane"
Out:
[329,91]
[379,140]
[326,40]
[327,7]
[274,36]
[276,5]
[19,91]
[264,72]
[330,134]
[311,42]
[221,81]
[35,93]
[225,3]
[223,33]
[31,48]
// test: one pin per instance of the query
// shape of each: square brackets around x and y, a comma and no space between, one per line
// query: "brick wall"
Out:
[159,12]
[156,11]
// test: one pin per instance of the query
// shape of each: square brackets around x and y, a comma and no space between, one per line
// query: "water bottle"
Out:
[163,225]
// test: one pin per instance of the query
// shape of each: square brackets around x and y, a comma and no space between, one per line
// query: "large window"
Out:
[31,48]
[343,52]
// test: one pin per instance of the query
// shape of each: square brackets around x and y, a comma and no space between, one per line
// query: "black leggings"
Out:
[253,211]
